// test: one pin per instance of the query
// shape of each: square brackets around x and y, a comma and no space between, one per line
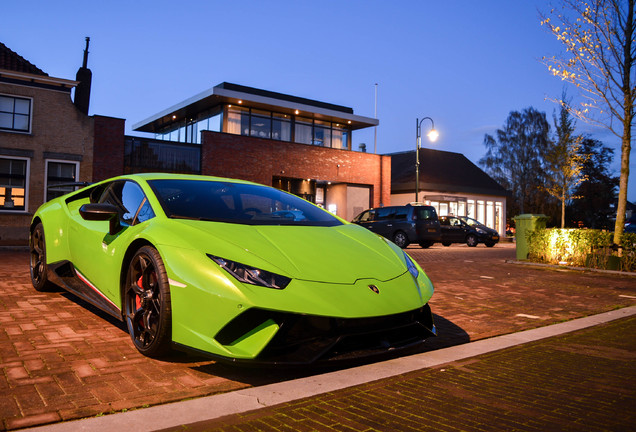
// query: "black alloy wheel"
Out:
[471,240]
[37,262]
[147,308]
[400,239]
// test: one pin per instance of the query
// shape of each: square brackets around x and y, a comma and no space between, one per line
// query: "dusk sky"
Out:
[466,64]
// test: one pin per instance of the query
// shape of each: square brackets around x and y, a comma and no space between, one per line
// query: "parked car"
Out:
[403,224]
[235,270]
[462,229]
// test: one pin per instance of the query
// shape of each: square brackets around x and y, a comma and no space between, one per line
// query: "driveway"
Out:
[62,359]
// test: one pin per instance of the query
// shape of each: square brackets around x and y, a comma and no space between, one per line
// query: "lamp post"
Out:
[432,135]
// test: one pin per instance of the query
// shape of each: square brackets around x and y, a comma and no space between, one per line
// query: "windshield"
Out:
[236,203]
[471,221]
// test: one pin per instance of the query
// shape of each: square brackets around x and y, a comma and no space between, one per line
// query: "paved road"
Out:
[63,360]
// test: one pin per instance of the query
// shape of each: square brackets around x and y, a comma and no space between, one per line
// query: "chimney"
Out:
[83,89]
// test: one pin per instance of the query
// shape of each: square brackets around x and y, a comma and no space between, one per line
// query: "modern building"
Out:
[45,139]
[299,145]
[451,183]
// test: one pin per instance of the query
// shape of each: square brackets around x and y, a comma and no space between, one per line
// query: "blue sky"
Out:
[466,64]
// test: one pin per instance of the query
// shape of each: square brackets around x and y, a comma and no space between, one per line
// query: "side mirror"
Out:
[102,212]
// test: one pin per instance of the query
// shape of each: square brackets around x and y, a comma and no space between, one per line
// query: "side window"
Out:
[385,213]
[426,213]
[130,200]
[401,213]
[444,221]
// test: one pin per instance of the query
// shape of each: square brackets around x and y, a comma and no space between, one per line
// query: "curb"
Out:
[589,269]
[240,401]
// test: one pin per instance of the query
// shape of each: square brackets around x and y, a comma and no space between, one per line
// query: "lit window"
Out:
[13,184]
[15,114]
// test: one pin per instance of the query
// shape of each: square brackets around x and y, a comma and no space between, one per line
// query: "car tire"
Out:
[471,240]
[37,263]
[446,244]
[147,306]
[401,239]
[489,244]
[426,244]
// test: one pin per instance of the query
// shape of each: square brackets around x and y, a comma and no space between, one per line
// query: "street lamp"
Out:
[432,135]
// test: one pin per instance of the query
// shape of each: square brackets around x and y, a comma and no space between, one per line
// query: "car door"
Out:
[96,254]
[456,230]
[366,219]
[384,221]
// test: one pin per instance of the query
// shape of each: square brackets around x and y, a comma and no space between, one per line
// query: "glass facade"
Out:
[147,155]
[241,120]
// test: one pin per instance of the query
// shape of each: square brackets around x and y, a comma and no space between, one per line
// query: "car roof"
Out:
[173,176]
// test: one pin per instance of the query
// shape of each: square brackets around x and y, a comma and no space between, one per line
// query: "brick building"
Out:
[45,139]
[295,144]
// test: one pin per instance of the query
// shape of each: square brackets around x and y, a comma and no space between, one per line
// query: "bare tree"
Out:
[599,60]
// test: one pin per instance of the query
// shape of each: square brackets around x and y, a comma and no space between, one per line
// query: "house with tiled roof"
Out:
[451,183]
[45,139]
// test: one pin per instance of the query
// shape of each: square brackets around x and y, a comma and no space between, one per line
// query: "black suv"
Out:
[462,229]
[403,224]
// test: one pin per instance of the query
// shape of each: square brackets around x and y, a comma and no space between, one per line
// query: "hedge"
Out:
[582,248]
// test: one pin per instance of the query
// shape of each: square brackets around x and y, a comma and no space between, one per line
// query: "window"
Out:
[13,183]
[130,201]
[15,114]
[238,120]
[322,134]
[236,203]
[339,137]
[470,210]
[481,211]
[59,173]
[426,213]
[281,127]
[303,130]
[261,124]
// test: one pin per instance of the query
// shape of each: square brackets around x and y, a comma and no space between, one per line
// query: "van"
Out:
[403,225]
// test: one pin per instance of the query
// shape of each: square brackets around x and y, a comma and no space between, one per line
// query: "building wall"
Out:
[109,147]
[258,160]
[58,131]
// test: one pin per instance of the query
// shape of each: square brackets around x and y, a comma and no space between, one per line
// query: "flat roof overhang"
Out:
[226,93]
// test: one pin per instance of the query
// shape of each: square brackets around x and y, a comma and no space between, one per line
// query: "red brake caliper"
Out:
[141,286]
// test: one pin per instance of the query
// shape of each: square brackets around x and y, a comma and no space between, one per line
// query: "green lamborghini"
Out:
[230,269]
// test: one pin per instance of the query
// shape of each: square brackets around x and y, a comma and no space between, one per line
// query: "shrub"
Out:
[582,248]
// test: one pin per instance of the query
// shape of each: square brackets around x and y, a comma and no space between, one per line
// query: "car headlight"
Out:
[251,275]
[411,266]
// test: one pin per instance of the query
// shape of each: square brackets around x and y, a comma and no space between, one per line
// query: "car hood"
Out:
[340,254]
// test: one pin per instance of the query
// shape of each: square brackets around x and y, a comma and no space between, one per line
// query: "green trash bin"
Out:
[526,223]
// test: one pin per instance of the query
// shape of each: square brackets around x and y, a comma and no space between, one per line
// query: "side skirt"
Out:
[68,277]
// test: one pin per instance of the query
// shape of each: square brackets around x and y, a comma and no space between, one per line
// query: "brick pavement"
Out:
[581,381]
[64,360]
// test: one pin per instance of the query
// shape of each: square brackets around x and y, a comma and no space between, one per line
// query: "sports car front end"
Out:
[321,293]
